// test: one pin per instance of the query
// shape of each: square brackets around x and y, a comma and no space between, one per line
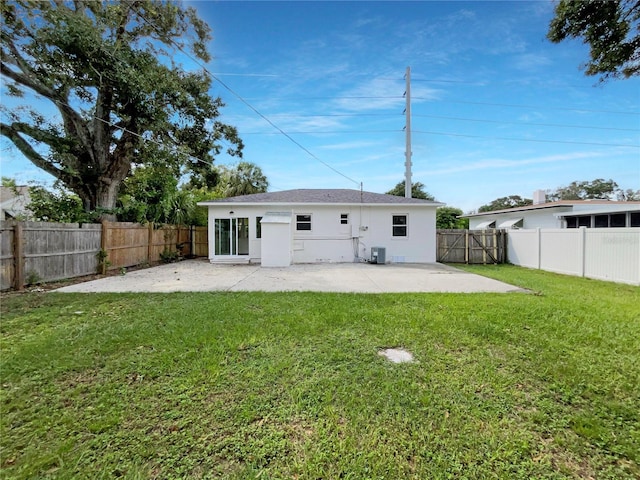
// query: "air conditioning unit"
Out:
[378,255]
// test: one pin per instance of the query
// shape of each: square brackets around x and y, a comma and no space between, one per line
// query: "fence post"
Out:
[583,250]
[466,246]
[150,243]
[539,247]
[495,246]
[192,239]
[18,256]
[103,246]
[505,246]
[484,251]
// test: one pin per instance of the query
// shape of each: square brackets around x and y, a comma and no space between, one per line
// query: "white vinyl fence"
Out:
[611,254]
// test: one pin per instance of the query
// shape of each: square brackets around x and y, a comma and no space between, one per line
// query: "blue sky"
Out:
[497,109]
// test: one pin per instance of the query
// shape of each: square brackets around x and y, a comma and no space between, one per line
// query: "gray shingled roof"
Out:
[337,196]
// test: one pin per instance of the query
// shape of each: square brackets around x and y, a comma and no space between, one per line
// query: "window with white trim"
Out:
[258,227]
[303,222]
[600,220]
[399,225]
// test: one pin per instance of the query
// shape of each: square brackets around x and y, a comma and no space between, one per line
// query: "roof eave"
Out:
[324,204]
[517,210]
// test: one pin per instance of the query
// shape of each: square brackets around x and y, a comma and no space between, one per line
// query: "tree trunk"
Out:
[106,195]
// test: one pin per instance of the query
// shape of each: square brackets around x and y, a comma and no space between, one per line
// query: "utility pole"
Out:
[407,163]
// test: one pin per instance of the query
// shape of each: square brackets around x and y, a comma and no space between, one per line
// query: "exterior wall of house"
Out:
[419,246]
[546,217]
[329,240]
[543,218]
[602,207]
[13,203]
[237,212]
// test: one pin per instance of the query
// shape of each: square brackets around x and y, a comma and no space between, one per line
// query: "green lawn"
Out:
[290,385]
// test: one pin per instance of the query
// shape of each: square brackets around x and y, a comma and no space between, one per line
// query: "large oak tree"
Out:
[586,190]
[109,72]
[611,29]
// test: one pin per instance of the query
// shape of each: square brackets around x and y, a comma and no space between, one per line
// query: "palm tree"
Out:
[244,179]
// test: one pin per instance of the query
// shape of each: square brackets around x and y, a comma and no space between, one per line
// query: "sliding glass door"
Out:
[232,236]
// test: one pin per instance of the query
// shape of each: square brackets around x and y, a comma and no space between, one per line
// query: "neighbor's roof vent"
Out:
[539,197]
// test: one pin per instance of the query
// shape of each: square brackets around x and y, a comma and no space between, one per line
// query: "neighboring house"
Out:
[324,225]
[13,202]
[561,214]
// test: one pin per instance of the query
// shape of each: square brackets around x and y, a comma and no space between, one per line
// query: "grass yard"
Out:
[290,385]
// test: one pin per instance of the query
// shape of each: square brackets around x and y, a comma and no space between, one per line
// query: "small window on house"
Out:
[584,221]
[634,219]
[572,222]
[344,219]
[303,222]
[618,220]
[399,226]
[258,227]
[601,221]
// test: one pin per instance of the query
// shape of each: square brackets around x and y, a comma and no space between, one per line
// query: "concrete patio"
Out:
[201,276]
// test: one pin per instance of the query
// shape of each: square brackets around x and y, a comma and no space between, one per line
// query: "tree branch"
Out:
[13,133]
[73,121]
[27,81]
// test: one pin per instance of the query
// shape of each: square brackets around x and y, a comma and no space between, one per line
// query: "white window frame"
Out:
[405,225]
[304,222]
[258,228]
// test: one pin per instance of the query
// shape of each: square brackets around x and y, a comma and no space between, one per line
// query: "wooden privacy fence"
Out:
[32,252]
[471,246]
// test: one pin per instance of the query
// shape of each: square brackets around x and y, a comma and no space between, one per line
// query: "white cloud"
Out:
[382,93]
[500,163]
[353,145]
[531,61]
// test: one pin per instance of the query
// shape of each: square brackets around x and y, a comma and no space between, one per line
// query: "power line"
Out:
[287,135]
[146,139]
[486,83]
[539,107]
[295,142]
[477,83]
[336,97]
[464,119]
[490,104]
[527,123]
[526,139]
[306,115]
[324,132]
[220,74]
[237,95]
[333,132]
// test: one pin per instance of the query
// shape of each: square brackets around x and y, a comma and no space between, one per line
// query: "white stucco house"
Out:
[14,202]
[561,214]
[321,226]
